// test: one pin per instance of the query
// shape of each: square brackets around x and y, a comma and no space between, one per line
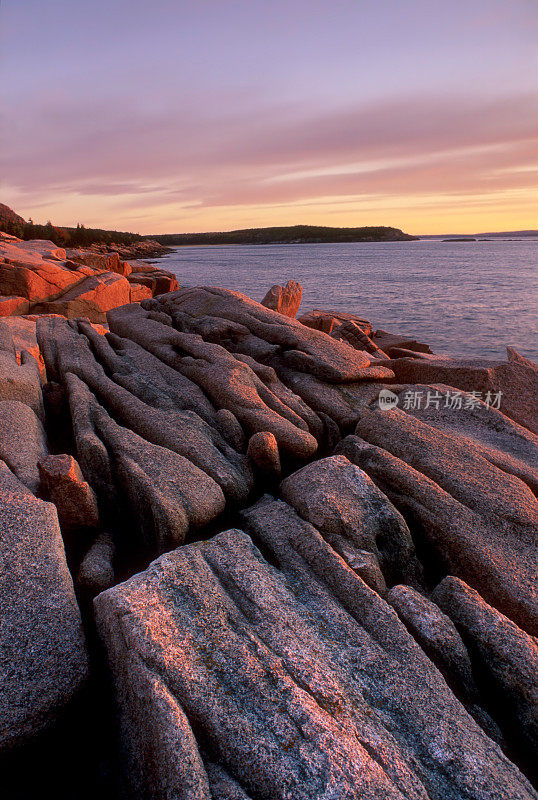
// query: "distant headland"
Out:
[292,234]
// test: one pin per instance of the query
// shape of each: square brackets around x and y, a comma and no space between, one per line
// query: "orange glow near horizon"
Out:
[414,214]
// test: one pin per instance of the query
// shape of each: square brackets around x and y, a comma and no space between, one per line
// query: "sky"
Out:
[200,115]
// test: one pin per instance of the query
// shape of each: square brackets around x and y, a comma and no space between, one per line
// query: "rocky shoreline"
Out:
[37,277]
[252,555]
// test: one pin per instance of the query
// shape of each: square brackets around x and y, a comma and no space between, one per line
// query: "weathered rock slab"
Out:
[505,656]
[23,442]
[42,654]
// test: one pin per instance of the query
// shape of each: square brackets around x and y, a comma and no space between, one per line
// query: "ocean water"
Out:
[467,299]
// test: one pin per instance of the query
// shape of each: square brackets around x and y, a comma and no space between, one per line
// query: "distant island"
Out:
[477,237]
[293,234]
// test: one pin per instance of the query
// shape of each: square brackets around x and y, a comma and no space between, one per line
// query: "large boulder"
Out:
[139,292]
[299,347]
[42,652]
[237,678]
[284,299]
[33,272]
[104,262]
[157,281]
[344,504]
[229,382]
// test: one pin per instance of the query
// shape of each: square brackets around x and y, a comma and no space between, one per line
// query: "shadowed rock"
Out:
[96,571]
[504,656]
[42,650]
[183,432]
[291,690]
[263,452]
[438,637]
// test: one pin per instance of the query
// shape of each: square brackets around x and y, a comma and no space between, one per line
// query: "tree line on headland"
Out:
[12,223]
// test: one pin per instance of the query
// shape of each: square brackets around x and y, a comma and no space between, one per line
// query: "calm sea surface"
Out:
[464,298]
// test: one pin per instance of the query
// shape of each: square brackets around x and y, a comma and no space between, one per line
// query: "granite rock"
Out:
[23,442]
[284,299]
[296,680]
[43,662]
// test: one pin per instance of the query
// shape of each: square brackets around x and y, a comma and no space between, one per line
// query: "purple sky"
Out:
[179,116]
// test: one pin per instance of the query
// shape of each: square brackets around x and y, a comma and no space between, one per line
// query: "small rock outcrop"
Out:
[284,299]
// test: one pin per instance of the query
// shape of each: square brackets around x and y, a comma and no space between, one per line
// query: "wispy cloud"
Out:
[234,156]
